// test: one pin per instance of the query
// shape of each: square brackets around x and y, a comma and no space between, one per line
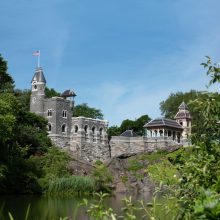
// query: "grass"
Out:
[79,185]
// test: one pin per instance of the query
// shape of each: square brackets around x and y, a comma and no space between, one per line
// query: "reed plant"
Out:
[74,185]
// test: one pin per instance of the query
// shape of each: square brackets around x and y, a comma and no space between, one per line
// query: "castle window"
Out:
[35,86]
[64,113]
[100,131]
[49,112]
[93,134]
[63,128]
[49,127]
[86,133]
[76,129]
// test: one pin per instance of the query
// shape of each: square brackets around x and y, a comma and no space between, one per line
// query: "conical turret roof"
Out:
[183,106]
[183,112]
[39,75]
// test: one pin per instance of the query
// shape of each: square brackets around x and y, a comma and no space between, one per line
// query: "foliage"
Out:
[22,134]
[6,81]
[198,192]
[163,171]
[136,126]
[49,93]
[86,111]
[113,131]
[73,185]
[98,209]
[23,97]
[103,178]
[53,165]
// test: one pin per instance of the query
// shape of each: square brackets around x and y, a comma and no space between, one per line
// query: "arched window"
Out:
[101,131]
[49,112]
[181,123]
[63,128]
[49,127]
[93,134]
[161,133]
[86,133]
[76,129]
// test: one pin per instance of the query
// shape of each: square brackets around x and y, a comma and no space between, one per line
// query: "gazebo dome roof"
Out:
[163,122]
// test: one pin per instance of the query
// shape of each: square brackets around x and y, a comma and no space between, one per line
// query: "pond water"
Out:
[52,208]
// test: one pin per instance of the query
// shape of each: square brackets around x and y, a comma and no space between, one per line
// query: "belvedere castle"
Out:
[87,138]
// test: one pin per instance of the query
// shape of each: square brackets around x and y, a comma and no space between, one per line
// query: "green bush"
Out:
[103,178]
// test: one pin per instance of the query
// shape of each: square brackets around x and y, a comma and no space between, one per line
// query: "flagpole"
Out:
[38,60]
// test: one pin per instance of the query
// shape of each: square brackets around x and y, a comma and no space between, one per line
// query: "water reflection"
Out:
[52,208]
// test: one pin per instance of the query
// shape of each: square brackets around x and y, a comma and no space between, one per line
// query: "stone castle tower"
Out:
[38,84]
[85,137]
[184,118]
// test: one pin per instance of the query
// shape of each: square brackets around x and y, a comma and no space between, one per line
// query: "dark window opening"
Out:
[64,128]
[49,112]
[49,127]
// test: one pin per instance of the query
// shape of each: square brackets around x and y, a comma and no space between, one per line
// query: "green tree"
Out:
[6,81]
[169,107]
[49,93]
[136,125]
[23,97]
[139,123]
[127,124]
[86,111]
[113,131]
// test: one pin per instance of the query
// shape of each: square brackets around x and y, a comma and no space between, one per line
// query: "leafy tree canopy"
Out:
[6,81]
[49,93]
[127,124]
[86,111]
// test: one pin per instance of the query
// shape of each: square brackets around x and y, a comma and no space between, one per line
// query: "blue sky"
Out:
[122,56]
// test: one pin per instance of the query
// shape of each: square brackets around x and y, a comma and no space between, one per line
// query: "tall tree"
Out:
[49,93]
[6,81]
[86,111]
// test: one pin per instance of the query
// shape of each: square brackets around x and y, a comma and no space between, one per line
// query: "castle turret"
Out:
[184,118]
[38,84]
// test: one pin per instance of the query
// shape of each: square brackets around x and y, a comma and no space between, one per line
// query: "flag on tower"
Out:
[36,53]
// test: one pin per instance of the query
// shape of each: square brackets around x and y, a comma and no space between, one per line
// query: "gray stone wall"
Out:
[125,146]
[60,141]
[58,105]
[89,139]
